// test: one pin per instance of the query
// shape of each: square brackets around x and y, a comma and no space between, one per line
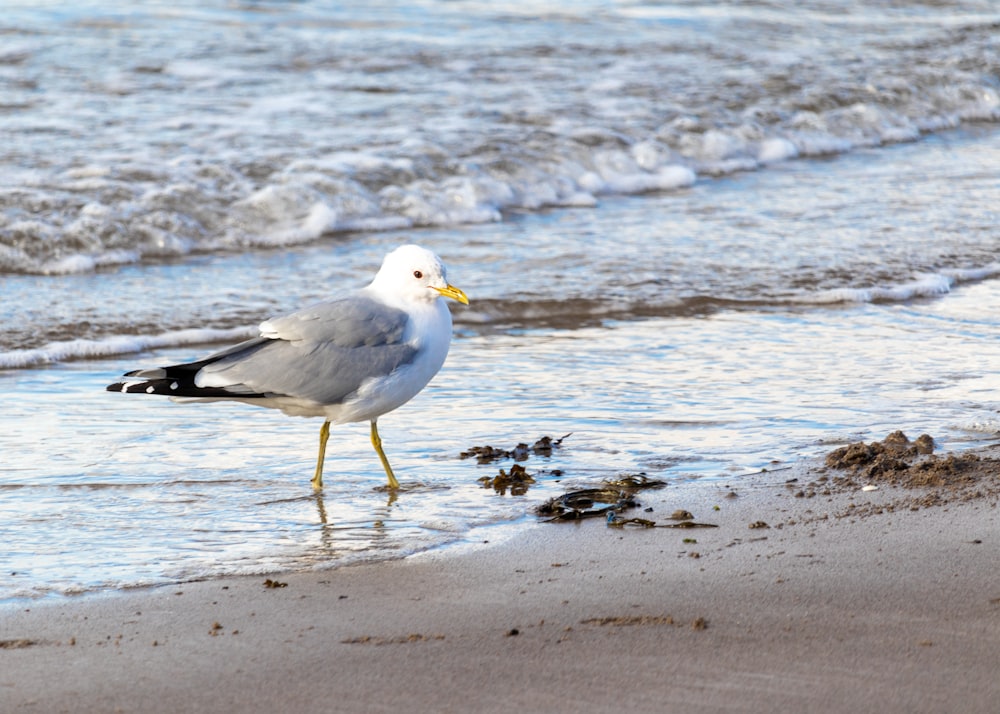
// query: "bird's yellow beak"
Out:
[454,293]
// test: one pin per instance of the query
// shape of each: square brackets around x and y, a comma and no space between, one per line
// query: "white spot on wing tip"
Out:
[174,385]
[149,390]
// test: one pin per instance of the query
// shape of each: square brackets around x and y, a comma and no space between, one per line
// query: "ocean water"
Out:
[701,238]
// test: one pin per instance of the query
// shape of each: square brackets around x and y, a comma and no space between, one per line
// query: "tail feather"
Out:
[179,388]
[179,380]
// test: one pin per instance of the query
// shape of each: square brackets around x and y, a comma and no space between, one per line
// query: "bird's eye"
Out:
[417,274]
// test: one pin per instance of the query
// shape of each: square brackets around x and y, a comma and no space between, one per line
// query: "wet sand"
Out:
[810,595]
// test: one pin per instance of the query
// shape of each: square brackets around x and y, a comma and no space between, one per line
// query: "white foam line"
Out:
[117,345]
[971,275]
[928,285]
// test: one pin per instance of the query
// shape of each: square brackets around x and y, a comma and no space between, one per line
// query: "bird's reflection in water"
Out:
[392,495]
[377,532]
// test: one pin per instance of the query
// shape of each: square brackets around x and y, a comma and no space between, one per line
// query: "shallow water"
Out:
[164,129]
[757,312]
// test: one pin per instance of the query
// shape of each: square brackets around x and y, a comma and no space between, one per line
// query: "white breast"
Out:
[429,331]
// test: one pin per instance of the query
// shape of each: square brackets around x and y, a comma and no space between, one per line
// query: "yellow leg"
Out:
[377,443]
[324,434]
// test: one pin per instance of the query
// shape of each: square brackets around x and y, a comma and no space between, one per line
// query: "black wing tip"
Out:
[126,385]
[152,386]
[176,388]
[143,386]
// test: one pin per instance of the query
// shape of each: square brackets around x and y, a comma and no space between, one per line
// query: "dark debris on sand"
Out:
[896,461]
[611,498]
[609,501]
[883,460]
[911,464]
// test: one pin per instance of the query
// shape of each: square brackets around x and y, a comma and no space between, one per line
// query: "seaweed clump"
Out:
[609,501]
[544,446]
[517,481]
[613,497]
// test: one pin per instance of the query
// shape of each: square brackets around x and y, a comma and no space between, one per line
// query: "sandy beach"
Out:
[809,595]
[705,242]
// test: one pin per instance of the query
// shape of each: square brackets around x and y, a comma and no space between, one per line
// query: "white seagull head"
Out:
[412,274]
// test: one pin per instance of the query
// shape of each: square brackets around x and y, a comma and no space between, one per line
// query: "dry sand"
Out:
[839,600]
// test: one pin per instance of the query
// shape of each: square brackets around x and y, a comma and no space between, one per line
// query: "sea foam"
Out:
[68,350]
[924,286]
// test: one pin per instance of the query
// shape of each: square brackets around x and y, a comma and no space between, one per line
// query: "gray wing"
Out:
[322,353]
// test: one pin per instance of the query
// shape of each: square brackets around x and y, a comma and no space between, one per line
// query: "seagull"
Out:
[349,359]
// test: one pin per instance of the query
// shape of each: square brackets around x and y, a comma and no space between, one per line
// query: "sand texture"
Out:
[809,595]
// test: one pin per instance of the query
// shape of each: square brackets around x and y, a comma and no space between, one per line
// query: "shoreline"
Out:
[809,595]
